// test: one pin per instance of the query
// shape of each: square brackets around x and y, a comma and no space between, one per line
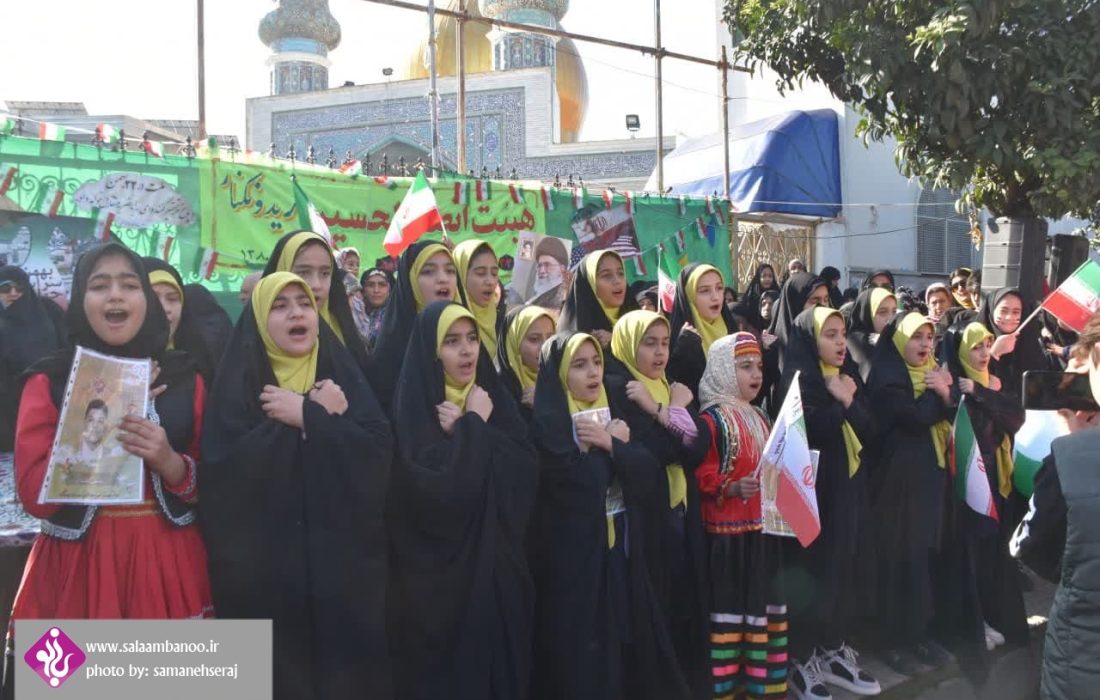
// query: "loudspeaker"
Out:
[1067,253]
[1015,256]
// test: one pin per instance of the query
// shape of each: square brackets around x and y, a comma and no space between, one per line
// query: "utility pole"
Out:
[202,70]
[460,44]
[660,98]
[731,224]
[433,91]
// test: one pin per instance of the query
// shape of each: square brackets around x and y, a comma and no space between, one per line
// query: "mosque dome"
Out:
[572,80]
[301,19]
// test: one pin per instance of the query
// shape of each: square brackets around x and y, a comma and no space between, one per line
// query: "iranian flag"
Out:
[639,266]
[352,167]
[701,227]
[417,215]
[547,199]
[968,468]
[578,198]
[164,245]
[153,148]
[787,452]
[51,132]
[708,202]
[680,242]
[516,193]
[208,262]
[51,202]
[309,217]
[666,290]
[7,177]
[682,205]
[106,133]
[1078,298]
[608,198]
[103,221]
[629,203]
[462,193]
[482,190]
[1031,447]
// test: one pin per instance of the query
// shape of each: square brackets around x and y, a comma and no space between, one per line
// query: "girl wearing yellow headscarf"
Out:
[479,287]
[597,296]
[658,415]
[994,417]
[290,334]
[699,317]
[913,406]
[839,423]
[525,331]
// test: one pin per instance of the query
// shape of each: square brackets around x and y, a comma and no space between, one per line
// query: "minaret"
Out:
[514,49]
[300,34]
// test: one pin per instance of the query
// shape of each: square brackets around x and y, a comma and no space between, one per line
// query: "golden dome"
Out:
[572,81]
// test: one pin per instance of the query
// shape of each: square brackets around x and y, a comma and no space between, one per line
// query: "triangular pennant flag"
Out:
[630,203]
[666,290]
[104,218]
[516,193]
[462,193]
[164,245]
[639,266]
[153,148]
[547,199]
[708,203]
[701,227]
[608,198]
[8,173]
[720,213]
[385,182]
[680,242]
[51,132]
[967,466]
[51,201]
[106,133]
[417,215]
[682,205]
[309,217]
[352,167]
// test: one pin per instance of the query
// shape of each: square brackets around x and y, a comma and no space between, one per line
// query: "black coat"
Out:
[582,311]
[461,597]
[600,630]
[293,520]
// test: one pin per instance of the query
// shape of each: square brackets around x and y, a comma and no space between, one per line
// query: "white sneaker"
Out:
[841,668]
[805,680]
[994,636]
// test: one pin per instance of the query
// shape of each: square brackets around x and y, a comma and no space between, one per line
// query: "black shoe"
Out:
[931,654]
[901,661]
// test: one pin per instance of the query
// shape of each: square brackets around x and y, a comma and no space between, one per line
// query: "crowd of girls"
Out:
[430,494]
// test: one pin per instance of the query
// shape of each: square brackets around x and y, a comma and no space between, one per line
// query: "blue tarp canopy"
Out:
[788,163]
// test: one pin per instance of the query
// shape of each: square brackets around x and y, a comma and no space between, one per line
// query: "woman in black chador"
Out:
[296,458]
[600,632]
[597,297]
[464,481]
[700,308]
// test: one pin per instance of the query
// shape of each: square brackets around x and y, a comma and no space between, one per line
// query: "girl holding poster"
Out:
[839,422]
[748,611]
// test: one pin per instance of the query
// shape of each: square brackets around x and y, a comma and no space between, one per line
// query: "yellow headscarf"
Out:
[591,273]
[453,391]
[879,295]
[294,373]
[973,335]
[575,405]
[909,325]
[485,316]
[851,441]
[286,264]
[165,277]
[521,324]
[414,271]
[625,340]
[709,331]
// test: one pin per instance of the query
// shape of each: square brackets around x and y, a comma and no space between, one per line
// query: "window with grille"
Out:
[943,235]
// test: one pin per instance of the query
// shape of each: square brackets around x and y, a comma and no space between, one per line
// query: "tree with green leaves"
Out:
[997,98]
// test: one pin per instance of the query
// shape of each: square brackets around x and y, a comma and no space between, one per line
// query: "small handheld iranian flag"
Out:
[208,262]
[103,221]
[7,177]
[968,468]
[516,193]
[417,215]
[786,459]
[106,133]
[164,245]
[51,132]
[462,193]
[309,217]
[51,201]
[1078,298]
[547,199]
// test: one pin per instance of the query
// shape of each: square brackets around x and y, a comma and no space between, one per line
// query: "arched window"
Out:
[943,235]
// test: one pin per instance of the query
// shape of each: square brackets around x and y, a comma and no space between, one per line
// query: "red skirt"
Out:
[131,564]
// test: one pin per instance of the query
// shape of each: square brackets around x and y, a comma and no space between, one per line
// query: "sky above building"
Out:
[136,57]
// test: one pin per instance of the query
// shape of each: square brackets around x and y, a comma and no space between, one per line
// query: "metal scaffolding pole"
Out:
[660,97]
[433,91]
[460,43]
